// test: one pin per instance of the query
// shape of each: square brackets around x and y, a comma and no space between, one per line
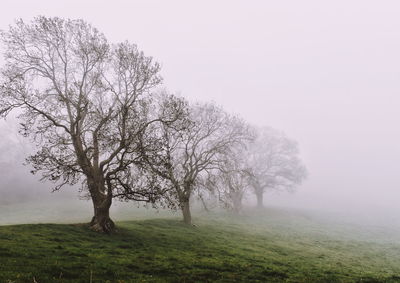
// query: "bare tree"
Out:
[198,148]
[84,102]
[273,163]
[232,182]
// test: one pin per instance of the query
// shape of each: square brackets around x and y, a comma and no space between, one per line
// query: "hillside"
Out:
[272,246]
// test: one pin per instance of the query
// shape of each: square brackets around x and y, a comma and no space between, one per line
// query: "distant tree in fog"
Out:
[85,103]
[273,163]
[232,182]
[199,148]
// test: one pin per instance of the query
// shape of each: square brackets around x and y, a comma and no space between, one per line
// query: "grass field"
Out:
[268,246]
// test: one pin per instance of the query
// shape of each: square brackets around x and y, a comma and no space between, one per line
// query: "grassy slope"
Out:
[279,248]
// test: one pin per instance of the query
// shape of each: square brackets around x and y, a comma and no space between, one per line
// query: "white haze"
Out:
[327,73]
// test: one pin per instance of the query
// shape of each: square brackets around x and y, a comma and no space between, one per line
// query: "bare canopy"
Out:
[84,102]
[273,163]
[199,147]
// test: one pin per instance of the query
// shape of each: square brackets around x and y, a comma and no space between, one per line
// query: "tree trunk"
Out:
[237,203]
[204,203]
[101,221]
[260,199]
[187,217]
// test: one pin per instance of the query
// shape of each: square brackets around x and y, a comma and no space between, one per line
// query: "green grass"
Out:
[270,247]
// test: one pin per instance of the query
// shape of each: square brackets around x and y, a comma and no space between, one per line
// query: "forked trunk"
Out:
[187,217]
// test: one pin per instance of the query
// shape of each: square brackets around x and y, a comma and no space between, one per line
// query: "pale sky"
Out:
[325,72]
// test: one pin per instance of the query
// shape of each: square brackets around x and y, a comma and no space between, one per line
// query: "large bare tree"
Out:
[273,163]
[199,147]
[85,103]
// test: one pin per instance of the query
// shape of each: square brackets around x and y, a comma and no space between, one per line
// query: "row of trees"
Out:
[269,161]
[98,118]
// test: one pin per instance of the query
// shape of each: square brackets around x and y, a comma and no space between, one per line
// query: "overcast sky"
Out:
[325,72]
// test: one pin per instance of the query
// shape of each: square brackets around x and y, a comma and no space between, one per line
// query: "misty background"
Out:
[326,73]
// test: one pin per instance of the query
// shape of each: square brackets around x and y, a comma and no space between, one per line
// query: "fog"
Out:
[326,73]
